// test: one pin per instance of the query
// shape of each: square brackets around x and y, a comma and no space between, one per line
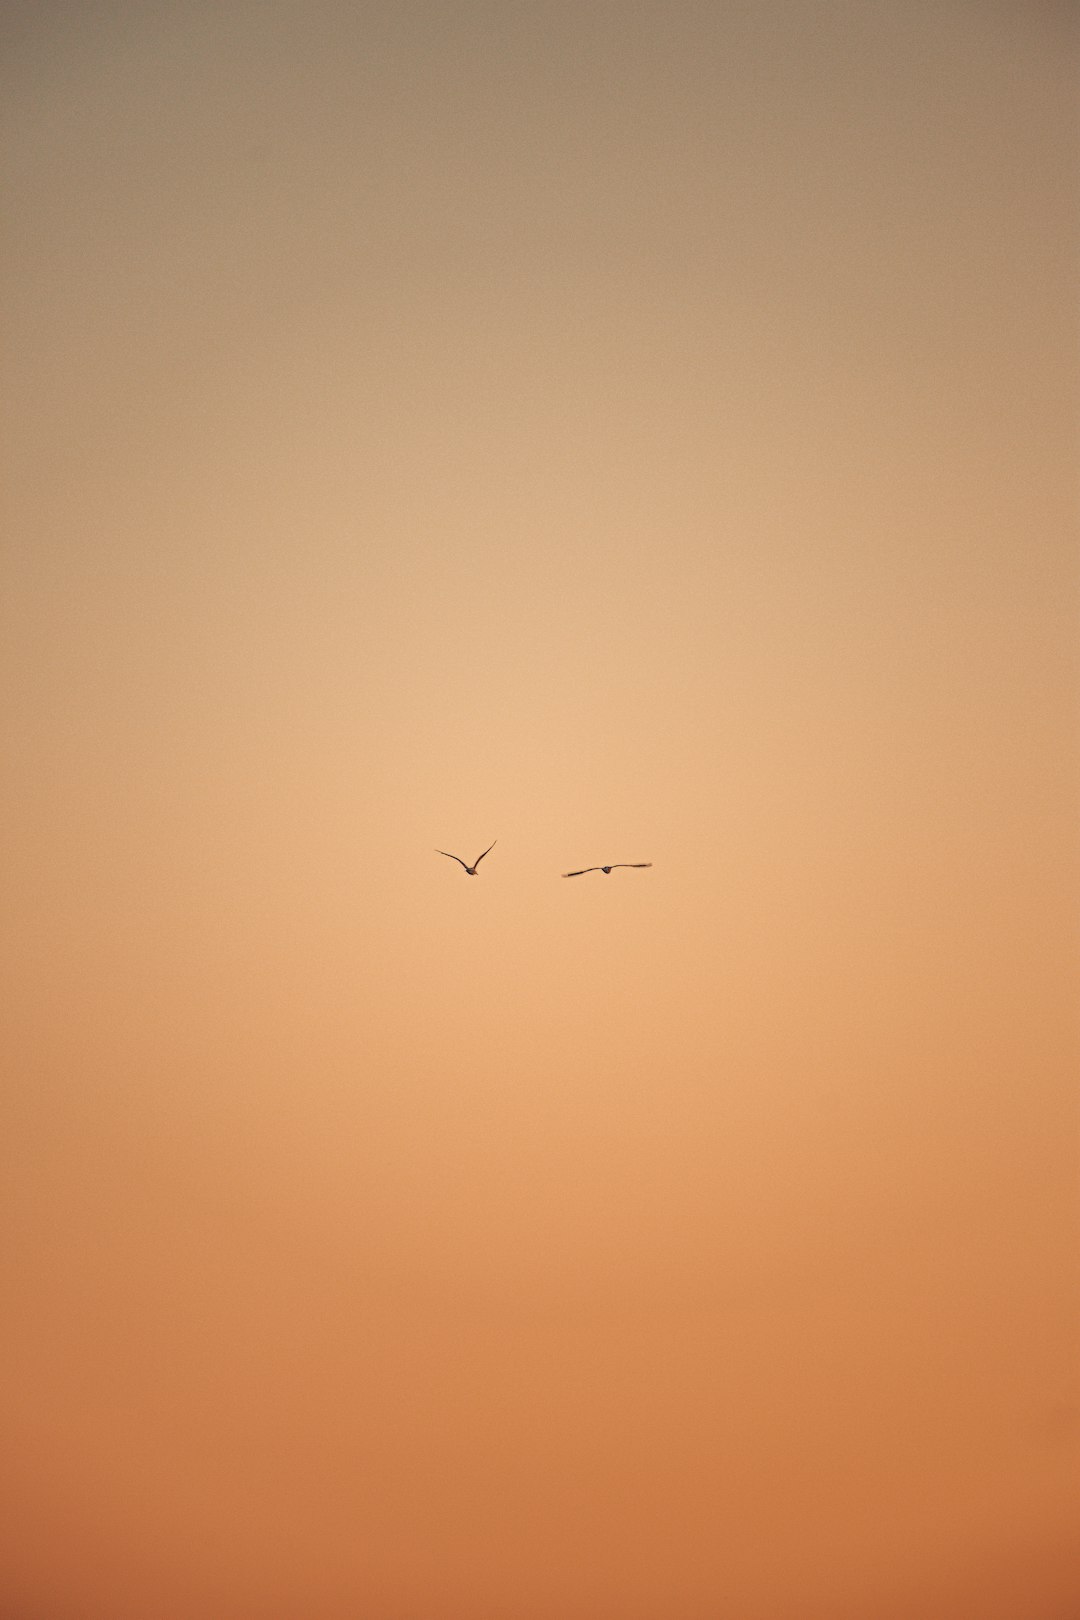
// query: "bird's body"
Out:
[471,870]
[607,870]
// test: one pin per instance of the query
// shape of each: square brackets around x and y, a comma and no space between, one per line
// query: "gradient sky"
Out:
[637,432]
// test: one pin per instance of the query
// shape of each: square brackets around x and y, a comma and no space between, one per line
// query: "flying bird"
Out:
[637,865]
[470,869]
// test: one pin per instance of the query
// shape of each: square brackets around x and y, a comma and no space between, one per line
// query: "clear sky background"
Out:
[634,432]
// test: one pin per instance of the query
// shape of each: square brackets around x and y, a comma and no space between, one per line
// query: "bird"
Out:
[470,869]
[607,869]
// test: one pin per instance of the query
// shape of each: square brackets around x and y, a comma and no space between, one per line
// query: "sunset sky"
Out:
[631,432]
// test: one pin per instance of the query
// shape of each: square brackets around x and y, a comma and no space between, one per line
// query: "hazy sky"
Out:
[634,432]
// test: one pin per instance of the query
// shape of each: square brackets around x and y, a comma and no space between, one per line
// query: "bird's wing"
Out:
[487,851]
[583,871]
[637,865]
[457,858]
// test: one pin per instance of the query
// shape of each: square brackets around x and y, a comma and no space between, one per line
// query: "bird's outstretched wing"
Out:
[448,855]
[487,851]
[583,871]
[637,865]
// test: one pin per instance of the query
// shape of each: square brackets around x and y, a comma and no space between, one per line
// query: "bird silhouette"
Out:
[470,869]
[606,869]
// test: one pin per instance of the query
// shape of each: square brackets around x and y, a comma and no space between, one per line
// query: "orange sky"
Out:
[634,433]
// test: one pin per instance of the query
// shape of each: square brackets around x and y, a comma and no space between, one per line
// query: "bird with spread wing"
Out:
[637,865]
[470,869]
